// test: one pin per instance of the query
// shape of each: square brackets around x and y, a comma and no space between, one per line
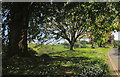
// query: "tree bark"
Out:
[18,29]
[100,45]
[92,42]
[92,45]
[72,45]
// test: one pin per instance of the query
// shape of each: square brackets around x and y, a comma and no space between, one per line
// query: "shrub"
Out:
[76,46]
[67,47]
[66,44]
[83,44]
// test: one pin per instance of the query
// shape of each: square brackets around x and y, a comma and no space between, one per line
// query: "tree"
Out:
[70,22]
[74,20]
[104,24]
[17,21]
[37,27]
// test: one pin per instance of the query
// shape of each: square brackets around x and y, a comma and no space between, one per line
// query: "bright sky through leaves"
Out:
[115,35]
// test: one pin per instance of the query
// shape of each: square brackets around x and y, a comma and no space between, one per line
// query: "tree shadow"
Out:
[117,54]
[51,64]
[64,65]
[61,58]
[57,52]
[116,50]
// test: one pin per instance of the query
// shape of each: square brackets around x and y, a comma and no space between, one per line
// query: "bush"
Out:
[83,44]
[116,43]
[76,46]
[67,47]
[66,44]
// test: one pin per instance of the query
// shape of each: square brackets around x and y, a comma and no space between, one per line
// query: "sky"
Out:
[115,35]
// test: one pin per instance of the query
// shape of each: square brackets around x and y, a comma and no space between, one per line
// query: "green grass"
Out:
[82,61]
[87,56]
[46,49]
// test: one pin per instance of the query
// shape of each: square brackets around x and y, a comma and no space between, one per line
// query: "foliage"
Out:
[104,24]
[116,43]
[83,44]
[76,22]
[65,43]
[70,21]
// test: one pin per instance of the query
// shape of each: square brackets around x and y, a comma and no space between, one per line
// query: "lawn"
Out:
[61,61]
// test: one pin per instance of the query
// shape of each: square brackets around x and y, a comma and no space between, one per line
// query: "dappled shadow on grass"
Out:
[56,52]
[72,51]
[52,65]
[70,58]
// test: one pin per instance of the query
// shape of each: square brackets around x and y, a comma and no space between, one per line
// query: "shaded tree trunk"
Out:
[92,45]
[92,42]
[18,29]
[72,45]
[100,45]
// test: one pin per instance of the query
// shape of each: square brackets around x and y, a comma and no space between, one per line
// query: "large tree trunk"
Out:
[72,45]
[18,29]
[92,45]
[92,42]
[100,45]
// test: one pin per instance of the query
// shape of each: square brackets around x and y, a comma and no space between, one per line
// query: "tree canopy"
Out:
[43,21]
